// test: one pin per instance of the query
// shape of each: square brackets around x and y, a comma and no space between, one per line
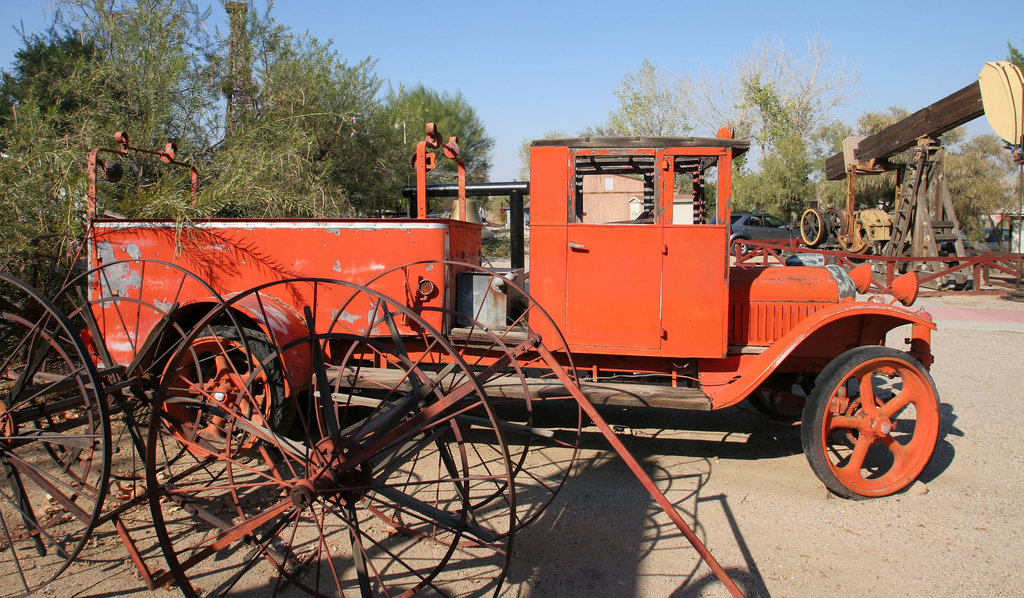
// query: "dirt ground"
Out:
[760,509]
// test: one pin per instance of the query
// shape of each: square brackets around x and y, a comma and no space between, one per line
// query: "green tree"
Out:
[125,73]
[652,102]
[316,143]
[981,183]
[783,184]
[1015,56]
[40,67]
[773,94]
[320,140]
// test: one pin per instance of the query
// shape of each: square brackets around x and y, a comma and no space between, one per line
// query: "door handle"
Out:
[579,246]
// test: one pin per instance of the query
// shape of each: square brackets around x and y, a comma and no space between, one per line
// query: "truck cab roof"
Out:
[739,146]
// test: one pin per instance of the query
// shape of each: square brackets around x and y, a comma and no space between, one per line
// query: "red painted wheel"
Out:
[871,423]
[233,368]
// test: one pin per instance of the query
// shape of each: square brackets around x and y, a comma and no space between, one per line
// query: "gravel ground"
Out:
[770,522]
[760,509]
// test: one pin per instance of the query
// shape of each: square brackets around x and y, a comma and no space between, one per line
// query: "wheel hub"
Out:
[333,475]
[303,494]
[878,427]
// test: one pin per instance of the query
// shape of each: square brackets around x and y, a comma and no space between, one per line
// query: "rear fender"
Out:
[831,331]
[282,325]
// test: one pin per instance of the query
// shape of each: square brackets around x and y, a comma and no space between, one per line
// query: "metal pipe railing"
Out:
[515,190]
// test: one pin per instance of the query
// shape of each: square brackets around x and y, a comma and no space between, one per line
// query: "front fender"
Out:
[829,332]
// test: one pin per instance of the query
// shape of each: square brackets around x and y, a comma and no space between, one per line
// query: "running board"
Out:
[617,394]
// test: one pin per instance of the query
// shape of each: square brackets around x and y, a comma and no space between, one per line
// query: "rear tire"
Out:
[248,351]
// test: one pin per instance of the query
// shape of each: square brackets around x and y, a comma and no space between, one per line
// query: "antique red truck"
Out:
[300,377]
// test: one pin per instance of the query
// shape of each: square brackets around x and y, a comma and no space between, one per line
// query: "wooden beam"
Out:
[946,114]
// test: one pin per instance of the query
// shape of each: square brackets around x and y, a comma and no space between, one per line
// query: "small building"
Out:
[620,198]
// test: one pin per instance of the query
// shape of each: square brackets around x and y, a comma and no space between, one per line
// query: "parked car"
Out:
[758,226]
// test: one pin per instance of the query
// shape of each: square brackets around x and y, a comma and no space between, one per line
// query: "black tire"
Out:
[837,419]
[739,247]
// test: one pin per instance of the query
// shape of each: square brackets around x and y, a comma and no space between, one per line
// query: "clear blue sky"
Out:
[529,67]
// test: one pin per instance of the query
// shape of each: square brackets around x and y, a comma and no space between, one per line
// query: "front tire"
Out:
[871,423]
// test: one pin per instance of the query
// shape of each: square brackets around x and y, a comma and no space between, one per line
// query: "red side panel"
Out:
[236,255]
[613,297]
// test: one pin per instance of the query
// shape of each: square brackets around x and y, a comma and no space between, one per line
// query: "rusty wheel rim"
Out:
[373,491]
[54,441]
[218,371]
[880,426]
[513,388]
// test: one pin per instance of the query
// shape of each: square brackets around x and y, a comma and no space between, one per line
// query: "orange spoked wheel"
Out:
[871,424]
[231,367]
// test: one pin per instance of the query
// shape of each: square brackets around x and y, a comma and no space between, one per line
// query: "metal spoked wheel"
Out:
[872,422]
[835,220]
[378,487]
[54,441]
[493,336]
[130,329]
[812,227]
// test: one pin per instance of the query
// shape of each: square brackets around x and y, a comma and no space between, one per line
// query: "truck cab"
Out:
[656,285]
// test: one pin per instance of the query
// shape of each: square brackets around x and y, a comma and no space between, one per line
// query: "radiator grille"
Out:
[761,324]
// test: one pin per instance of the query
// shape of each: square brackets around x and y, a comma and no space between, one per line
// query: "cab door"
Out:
[613,288]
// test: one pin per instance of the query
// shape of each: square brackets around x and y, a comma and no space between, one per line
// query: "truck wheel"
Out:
[871,423]
[739,247]
[226,365]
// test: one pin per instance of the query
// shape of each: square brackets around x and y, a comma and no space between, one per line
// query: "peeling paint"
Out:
[117,278]
[164,306]
[334,231]
[345,317]
[337,266]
